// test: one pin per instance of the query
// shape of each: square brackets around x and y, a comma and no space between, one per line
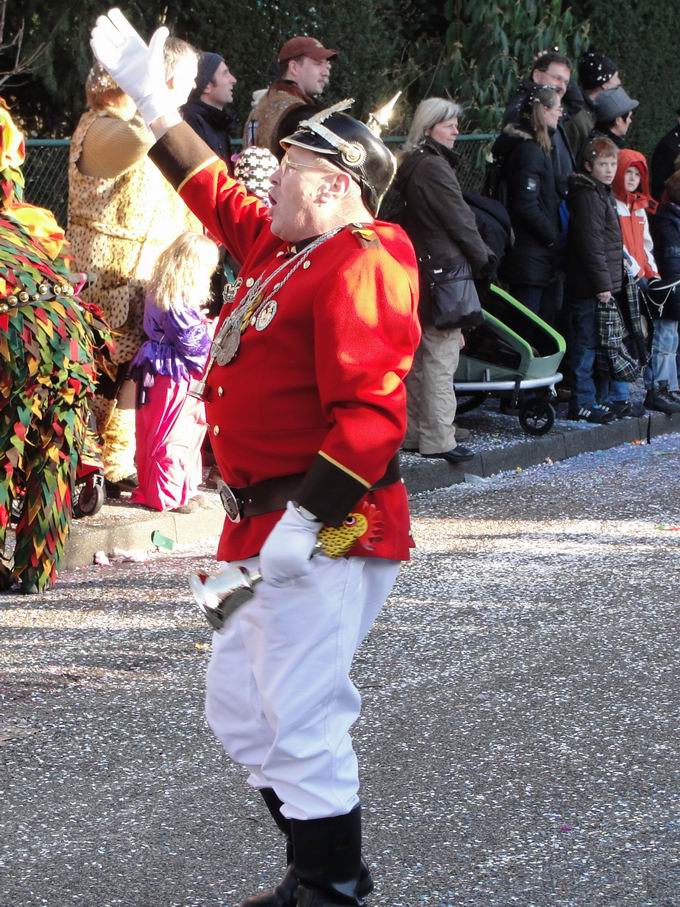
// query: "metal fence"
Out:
[46,169]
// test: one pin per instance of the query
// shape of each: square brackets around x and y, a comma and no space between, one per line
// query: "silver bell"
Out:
[221,595]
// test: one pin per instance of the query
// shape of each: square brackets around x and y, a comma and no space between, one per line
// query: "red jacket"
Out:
[320,390]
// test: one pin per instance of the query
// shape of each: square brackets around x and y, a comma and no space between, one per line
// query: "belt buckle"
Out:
[230,502]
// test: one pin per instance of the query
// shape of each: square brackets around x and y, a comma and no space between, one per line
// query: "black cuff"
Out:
[329,492]
[179,152]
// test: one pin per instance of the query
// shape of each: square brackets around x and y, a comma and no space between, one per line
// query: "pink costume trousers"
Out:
[170,428]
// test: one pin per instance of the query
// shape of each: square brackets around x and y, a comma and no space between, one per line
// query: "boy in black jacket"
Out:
[594,273]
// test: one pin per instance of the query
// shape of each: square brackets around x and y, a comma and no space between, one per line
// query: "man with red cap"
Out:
[306,404]
[304,71]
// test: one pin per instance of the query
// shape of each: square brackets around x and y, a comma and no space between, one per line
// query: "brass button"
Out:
[23,296]
[3,308]
[12,301]
[216,430]
[42,288]
[220,393]
[250,281]
[306,265]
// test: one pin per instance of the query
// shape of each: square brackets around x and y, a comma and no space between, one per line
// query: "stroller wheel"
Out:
[536,417]
[89,498]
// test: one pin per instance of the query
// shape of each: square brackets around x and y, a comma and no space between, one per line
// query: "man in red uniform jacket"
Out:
[306,405]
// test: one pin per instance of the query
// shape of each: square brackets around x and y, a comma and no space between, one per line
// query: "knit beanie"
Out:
[207,67]
[594,69]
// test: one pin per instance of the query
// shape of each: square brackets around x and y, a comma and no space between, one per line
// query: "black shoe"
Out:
[284,895]
[458,454]
[624,409]
[660,400]
[599,415]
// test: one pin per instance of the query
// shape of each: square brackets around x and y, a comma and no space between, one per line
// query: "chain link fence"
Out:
[46,169]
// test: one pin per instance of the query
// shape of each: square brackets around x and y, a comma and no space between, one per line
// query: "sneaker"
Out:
[624,409]
[599,415]
[660,400]
[456,455]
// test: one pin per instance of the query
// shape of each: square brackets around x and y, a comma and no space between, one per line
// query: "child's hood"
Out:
[641,198]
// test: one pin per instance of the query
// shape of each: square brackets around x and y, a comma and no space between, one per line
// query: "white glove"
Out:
[286,555]
[139,70]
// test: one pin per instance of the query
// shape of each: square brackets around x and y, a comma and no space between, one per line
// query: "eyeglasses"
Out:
[286,165]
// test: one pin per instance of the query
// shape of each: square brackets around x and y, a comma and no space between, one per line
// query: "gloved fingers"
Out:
[107,31]
[104,49]
[156,48]
[128,33]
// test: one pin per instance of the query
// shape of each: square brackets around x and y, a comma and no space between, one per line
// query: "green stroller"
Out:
[513,355]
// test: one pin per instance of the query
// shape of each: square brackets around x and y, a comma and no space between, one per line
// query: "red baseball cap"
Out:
[304,46]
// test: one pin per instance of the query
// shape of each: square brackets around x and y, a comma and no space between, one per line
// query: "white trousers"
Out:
[279,696]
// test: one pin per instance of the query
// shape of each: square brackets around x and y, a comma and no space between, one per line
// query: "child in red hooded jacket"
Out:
[633,200]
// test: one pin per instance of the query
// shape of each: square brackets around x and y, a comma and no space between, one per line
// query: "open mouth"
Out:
[272,200]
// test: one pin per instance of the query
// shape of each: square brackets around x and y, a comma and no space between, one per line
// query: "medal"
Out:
[266,315]
[227,345]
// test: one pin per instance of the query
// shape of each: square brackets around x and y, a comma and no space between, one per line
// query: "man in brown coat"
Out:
[304,71]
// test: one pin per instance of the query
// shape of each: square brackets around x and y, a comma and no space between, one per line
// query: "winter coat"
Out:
[213,125]
[439,223]
[666,233]
[563,160]
[533,205]
[631,208]
[578,129]
[663,160]
[594,244]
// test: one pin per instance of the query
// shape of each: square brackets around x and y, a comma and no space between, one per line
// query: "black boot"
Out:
[328,860]
[285,893]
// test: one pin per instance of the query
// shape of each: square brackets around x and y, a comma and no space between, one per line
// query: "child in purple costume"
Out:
[170,423]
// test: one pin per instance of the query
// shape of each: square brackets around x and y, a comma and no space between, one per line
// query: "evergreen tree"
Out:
[246,32]
[490,47]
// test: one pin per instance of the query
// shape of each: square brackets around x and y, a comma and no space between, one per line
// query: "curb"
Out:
[119,526]
[129,528]
[429,475]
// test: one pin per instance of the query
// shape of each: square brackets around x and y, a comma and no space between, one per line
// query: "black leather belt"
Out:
[274,494]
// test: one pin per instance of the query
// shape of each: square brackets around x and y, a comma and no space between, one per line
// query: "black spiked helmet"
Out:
[350,145]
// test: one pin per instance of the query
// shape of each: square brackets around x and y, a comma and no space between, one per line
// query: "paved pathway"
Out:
[521,729]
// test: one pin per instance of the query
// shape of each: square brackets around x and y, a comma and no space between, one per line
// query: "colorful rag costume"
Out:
[49,343]
[170,422]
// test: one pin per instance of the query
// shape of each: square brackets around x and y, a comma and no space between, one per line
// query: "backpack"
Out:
[495,181]
[493,223]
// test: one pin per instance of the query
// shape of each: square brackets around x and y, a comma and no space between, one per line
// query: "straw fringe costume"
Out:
[121,216]
[49,341]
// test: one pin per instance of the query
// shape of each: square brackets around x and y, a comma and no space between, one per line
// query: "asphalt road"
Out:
[519,743]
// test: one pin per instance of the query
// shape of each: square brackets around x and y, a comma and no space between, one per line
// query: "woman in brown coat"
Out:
[444,233]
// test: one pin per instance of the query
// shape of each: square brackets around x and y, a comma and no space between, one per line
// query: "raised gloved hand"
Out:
[139,70]
[286,555]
